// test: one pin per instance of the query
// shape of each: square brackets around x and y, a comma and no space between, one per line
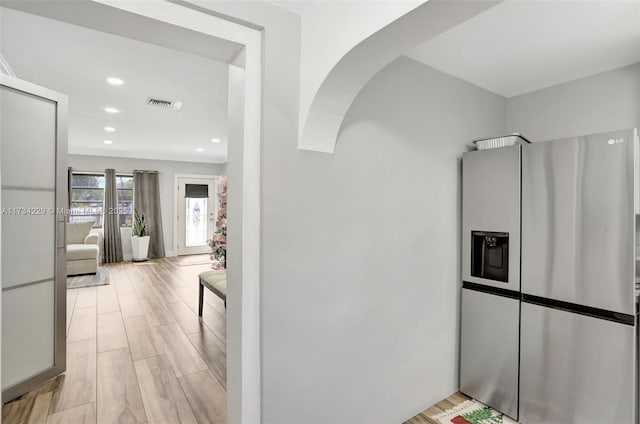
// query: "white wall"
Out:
[167,171]
[599,103]
[335,347]
[280,96]
[361,272]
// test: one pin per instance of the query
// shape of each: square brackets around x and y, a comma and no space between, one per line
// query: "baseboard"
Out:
[129,256]
[170,253]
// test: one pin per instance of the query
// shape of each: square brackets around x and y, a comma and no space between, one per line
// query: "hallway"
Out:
[137,351]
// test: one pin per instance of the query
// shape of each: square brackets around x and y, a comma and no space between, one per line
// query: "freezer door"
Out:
[578,220]
[575,368]
[491,204]
[489,350]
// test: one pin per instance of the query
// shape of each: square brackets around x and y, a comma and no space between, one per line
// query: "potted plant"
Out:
[140,238]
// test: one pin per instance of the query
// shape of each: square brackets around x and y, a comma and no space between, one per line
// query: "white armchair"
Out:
[83,249]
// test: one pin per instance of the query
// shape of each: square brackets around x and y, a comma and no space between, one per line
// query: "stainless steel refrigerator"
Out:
[578,359]
[549,324]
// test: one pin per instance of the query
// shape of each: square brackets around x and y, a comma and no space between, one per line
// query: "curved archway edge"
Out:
[336,94]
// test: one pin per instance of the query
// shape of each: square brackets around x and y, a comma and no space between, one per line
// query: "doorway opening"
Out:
[153,21]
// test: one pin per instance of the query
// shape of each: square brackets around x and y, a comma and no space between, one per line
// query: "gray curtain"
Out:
[112,241]
[146,198]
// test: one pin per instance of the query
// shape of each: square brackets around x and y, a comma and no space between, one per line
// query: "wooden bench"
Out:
[216,281]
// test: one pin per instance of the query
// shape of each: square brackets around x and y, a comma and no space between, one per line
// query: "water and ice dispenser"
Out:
[490,255]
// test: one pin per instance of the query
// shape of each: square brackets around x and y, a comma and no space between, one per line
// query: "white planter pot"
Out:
[140,248]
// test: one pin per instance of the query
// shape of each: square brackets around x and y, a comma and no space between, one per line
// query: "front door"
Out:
[195,217]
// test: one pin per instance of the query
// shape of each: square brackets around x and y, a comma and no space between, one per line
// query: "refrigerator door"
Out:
[578,220]
[575,368]
[489,350]
[491,206]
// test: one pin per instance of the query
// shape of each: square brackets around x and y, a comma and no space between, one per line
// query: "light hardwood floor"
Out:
[137,352]
[425,416]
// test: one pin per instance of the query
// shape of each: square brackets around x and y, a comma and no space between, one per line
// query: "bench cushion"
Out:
[215,280]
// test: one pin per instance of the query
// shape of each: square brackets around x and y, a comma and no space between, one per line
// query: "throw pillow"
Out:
[78,231]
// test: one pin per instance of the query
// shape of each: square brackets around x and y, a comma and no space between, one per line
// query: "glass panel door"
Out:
[195,217]
[196,222]
[33,265]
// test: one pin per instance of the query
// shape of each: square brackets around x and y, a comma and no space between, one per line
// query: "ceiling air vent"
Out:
[166,104]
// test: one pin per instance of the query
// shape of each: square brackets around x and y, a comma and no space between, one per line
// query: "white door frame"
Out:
[243,315]
[176,199]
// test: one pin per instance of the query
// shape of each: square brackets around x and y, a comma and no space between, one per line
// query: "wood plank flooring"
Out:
[425,416]
[137,352]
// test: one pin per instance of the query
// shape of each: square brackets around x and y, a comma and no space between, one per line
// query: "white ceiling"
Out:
[521,46]
[299,7]
[76,61]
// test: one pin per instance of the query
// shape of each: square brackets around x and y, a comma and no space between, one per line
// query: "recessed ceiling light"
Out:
[215,140]
[109,129]
[111,110]
[199,149]
[108,142]
[115,81]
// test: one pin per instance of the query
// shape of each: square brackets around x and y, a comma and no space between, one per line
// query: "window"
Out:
[124,185]
[87,198]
